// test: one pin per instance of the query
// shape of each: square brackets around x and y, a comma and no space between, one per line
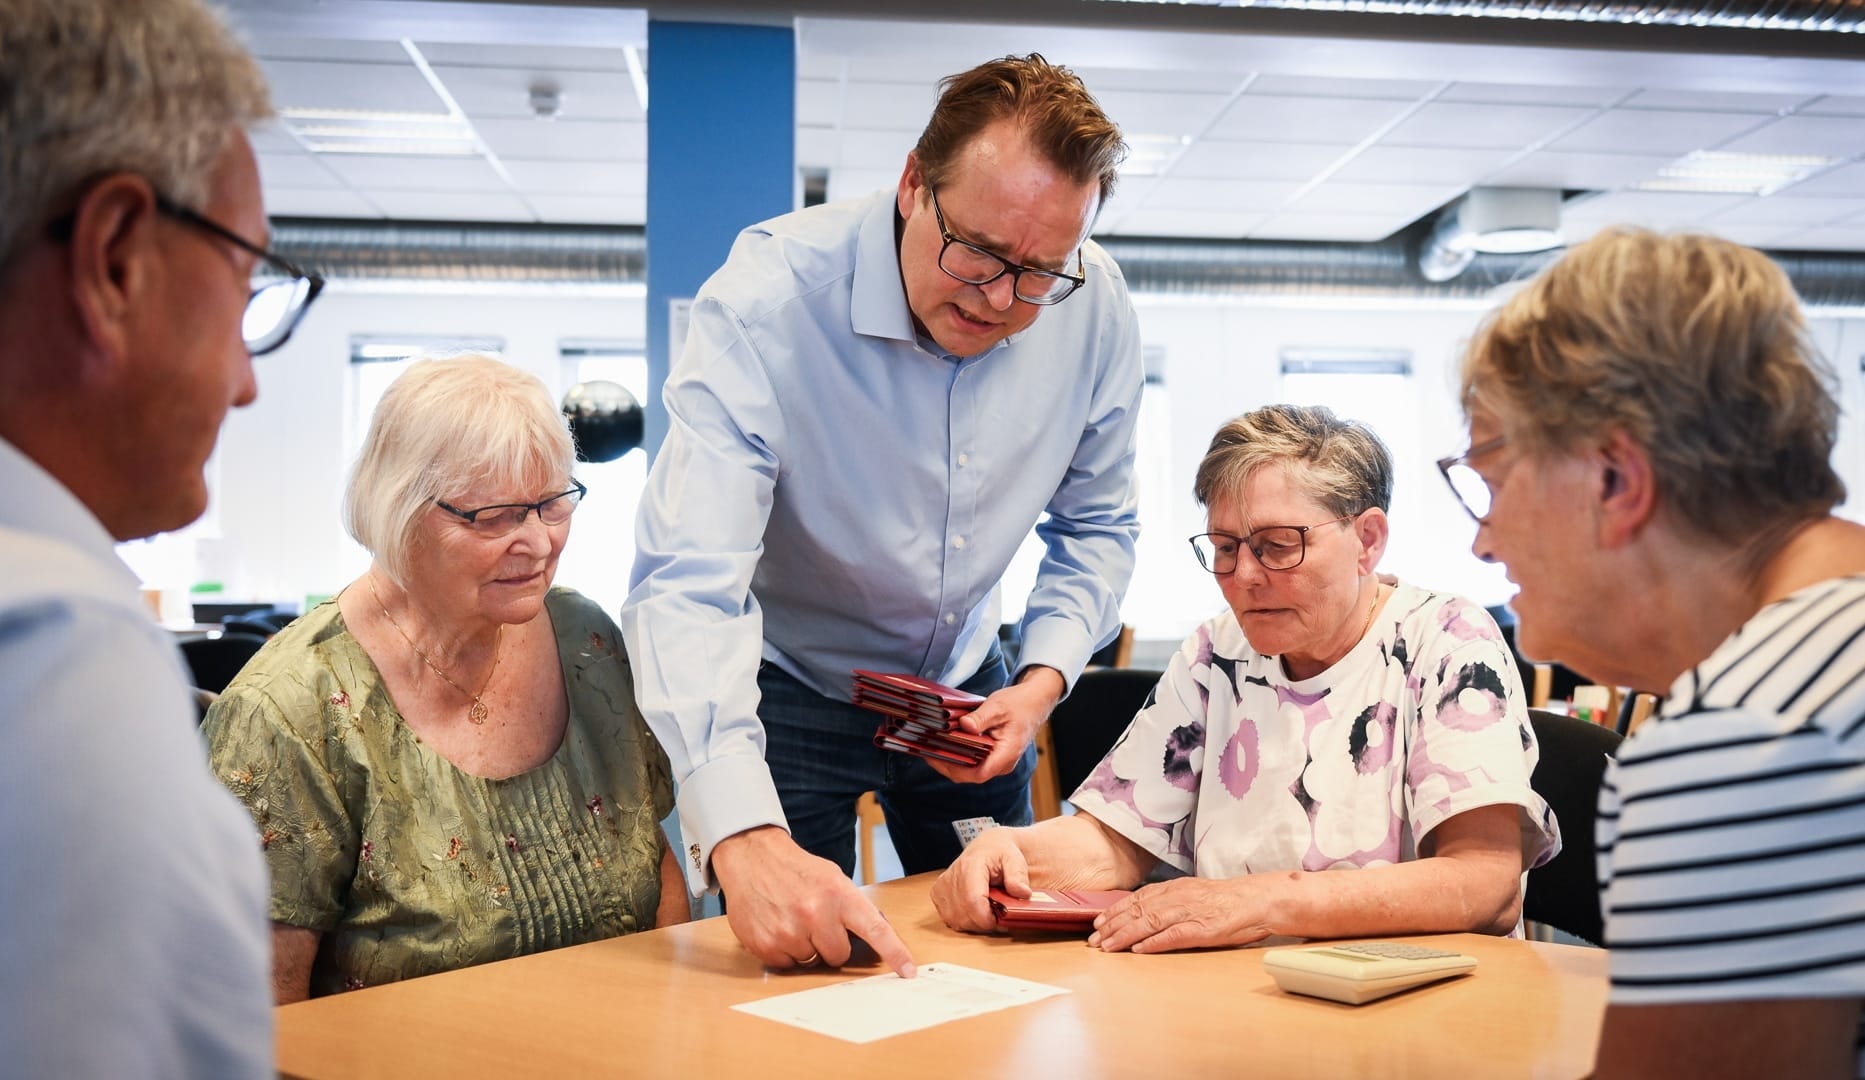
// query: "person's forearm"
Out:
[1078,852]
[1426,896]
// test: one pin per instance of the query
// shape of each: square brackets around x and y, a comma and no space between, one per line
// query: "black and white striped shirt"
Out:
[1732,828]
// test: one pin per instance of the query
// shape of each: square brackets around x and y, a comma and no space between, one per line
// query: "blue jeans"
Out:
[822,756]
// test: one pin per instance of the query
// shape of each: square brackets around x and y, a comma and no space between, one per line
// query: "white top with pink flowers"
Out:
[1233,768]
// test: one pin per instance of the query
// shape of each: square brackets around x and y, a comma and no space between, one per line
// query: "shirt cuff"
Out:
[721,799]
[1055,643]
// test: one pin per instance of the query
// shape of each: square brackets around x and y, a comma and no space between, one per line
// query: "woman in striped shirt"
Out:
[1650,440]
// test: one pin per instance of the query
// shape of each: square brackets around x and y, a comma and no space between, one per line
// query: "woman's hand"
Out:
[1187,913]
[994,858]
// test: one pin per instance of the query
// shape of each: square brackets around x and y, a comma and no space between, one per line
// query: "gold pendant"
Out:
[479,712]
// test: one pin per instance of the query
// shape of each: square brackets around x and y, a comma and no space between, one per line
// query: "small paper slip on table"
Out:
[1358,973]
[863,1010]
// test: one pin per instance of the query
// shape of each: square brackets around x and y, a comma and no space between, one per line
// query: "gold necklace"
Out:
[478,713]
[1369,611]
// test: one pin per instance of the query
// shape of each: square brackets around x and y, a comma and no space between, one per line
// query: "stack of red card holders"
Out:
[921,717]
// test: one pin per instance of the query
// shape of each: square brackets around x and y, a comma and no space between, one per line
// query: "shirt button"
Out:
[958,541]
[963,459]
[950,618]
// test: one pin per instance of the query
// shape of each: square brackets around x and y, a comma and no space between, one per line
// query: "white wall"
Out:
[282,462]
[282,466]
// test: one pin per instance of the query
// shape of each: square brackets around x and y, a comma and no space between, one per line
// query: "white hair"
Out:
[441,428]
[90,87]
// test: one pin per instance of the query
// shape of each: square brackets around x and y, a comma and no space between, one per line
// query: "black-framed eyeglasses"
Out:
[973,265]
[1276,547]
[503,519]
[1472,491]
[278,303]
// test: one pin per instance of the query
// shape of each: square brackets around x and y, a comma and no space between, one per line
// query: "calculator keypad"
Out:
[1393,950]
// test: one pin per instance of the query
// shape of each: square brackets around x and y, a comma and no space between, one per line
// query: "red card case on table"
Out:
[1059,910]
[919,689]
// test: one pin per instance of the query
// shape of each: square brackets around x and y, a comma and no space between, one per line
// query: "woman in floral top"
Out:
[445,763]
[1330,720]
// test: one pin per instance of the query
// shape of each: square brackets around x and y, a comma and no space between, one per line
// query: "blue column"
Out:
[721,156]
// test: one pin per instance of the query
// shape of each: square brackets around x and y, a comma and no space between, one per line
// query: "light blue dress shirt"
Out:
[838,492]
[137,943]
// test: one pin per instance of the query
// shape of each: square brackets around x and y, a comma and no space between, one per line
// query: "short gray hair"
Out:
[1695,347]
[1339,463]
[442,427]
[89,87]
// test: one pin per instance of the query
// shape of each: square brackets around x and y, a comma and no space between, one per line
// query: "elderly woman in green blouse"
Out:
[445,763]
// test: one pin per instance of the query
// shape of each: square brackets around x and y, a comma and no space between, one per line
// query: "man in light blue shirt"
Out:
[131,225]
[876,402]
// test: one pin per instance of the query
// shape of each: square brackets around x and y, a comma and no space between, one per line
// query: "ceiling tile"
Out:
[375,173]
[506,91]
[820,66]
[296,171]
[1236,196]
[1512,127]
[1566,169]
[578,177]
[1848,238]
[1842,182]
[1652,209]
[885,150]
[819,102]
[1408,201]
[899,68]
[1827,136]
[1256,160]
[1299,119]
[1189,223]
[293,202]
[1099,80]
[312,84]
[1529,94]
[1713,101]
[1841,104]
[1363,228]
[818,147]
[1797,213]
[553,57]
[452,206]
[272,138]
[1421,165]
[1656,131]
[570,140]
[279,47]
[856,183]
[1143,112]
[1130,194]
[590,210]
[1321,86]
[892,106]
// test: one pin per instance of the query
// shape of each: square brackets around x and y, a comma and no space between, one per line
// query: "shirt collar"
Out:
[37,503]
[878,307]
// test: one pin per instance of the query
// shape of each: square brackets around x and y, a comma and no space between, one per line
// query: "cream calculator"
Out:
[1362,972]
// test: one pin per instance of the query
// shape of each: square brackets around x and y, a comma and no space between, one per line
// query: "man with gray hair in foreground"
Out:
[131,230]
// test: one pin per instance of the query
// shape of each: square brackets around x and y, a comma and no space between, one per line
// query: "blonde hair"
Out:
[1339,463]
[1695,347]
[89,87]
[441,428]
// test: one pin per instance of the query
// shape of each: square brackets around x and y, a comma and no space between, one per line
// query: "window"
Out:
[601,551]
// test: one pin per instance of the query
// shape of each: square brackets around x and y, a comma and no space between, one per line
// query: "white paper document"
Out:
[863,1010]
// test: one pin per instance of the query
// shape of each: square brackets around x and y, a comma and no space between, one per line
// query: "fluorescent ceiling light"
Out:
[1724,172]
[355,131]
[1150,155]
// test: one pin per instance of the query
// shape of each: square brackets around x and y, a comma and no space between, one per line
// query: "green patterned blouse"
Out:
[410,866]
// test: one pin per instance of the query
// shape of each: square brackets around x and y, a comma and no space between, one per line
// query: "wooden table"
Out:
[658,1005]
